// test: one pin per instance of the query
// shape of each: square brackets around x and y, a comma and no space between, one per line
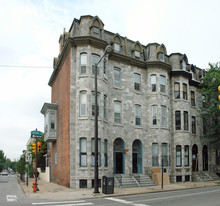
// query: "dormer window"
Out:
[161,56]
[116,47]
[96,32]
[183,65]
[137,54]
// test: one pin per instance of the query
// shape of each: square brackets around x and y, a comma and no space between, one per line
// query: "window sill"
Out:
[83,75]
[138,127]
[117,125]
[138,92]
[83,118]
[117,88]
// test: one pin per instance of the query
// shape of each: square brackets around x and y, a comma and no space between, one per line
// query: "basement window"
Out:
[82,183]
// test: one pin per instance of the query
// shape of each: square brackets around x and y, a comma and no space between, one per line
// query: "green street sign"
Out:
[36,134]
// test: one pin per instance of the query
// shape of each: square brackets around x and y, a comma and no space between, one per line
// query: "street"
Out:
[12,194]
[196,197]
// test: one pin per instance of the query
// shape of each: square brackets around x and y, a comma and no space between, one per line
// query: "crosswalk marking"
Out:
[64,203]
[11,198]
[124,201]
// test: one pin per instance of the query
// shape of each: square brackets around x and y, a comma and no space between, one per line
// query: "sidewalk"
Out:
[52,191]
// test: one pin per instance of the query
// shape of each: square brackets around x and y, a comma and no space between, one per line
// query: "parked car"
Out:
[4,173]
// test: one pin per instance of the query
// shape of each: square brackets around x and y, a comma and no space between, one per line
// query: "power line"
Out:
[11,66]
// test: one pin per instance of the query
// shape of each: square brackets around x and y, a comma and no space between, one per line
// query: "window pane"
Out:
[162,84]
[186,158]
[93,104]
[185,91]
[137,115]
[193,98]
[83,107]
[186,122]
[95,60]
[178,120]
[117,77]
[116,47]
[178,156]
[154,115]
[117,112]
[137,54]
[153,83]
[83,62]
[137,81]
[155,158]
[177,91]
[105,107]
[164,116]
[83,144]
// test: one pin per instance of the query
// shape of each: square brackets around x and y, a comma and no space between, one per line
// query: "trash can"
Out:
[107,185]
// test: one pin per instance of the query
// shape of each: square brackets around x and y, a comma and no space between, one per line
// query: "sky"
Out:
[29,34]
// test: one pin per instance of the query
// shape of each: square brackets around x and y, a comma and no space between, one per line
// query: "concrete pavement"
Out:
[52,191]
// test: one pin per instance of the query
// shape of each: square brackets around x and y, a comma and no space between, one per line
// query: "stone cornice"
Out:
[186,74]
[47,106]
[101,44]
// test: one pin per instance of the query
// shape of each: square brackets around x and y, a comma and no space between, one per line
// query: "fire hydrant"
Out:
[34,186]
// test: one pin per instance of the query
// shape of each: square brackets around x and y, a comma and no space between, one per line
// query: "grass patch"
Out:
[218,183]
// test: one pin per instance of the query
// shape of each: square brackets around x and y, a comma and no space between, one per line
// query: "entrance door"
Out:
[135,163]
[194,158]
[137,156]
[118,156]
[118,162]
[205,158]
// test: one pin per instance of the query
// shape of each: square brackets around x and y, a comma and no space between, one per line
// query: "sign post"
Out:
[36,134]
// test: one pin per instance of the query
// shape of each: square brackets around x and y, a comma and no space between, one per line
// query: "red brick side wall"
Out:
[60,173]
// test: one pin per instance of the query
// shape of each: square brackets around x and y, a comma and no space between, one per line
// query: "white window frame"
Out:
[81,94]
[137,82]
[95,60]
[117,77]
[83,63]
[154,116]
[138,115]
[98,104]
[83,152]
[117,113]
[162,84]
[117,47]
[153,81]
[163,116]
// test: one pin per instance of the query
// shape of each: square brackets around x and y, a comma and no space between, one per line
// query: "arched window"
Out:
[83,63]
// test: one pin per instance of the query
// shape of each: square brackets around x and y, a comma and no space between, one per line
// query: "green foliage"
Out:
[2,161]
[21,165]
[211,113]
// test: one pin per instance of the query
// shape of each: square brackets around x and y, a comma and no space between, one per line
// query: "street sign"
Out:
[36,134]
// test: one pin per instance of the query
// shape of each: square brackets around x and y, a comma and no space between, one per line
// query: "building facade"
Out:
[148,109]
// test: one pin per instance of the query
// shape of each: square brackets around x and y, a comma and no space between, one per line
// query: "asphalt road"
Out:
[11,192]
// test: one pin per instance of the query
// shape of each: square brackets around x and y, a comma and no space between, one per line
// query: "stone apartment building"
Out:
[148,102]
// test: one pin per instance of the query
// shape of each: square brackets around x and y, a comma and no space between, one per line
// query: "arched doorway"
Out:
[118,156]
[195,158]
[205,158]
[137,156]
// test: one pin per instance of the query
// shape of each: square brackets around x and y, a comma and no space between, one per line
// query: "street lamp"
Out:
[107,51]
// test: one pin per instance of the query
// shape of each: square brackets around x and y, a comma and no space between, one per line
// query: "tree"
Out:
[2,161]
[21,166]
[211,112]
